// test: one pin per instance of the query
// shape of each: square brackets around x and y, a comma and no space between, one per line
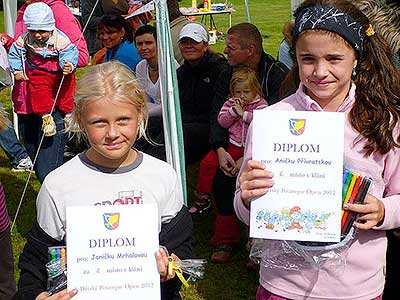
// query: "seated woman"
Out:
[148,77]
[116,35]
[197,79]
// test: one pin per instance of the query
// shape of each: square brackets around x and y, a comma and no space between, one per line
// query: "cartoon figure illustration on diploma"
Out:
[295,215]
[292,218]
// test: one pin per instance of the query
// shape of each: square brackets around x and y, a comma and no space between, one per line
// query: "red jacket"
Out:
[68,24]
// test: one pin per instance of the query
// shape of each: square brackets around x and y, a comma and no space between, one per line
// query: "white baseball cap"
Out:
[195,31]
[39,16]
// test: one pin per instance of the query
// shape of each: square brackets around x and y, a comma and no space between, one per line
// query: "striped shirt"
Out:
[4,220]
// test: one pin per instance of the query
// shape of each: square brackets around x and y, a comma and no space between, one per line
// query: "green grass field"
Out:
[230,281]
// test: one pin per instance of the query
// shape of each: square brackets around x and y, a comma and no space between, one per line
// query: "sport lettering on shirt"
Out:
[125,197]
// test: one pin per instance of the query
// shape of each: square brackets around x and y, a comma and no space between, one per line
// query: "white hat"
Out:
[195,31]
[39,16]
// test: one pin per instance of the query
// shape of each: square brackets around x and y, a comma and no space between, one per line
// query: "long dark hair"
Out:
[118,22]
[376,110]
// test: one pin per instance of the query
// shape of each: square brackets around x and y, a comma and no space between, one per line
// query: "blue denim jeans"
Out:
[14,150]
[51,154]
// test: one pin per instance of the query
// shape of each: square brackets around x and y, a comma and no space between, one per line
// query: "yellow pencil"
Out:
[63,260]
[350,190]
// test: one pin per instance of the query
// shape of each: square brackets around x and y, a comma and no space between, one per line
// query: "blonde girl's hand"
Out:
[62,295]
[372,212]
[162,265]
[254,181]
[68,67]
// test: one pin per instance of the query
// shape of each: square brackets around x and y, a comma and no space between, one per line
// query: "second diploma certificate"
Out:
[304,150]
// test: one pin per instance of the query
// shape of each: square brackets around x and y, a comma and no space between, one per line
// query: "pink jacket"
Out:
[65,22]
[363,276]
[228,118]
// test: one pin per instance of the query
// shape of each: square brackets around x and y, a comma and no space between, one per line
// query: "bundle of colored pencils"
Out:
[355,189]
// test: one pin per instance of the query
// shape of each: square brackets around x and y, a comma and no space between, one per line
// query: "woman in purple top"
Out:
[7,283]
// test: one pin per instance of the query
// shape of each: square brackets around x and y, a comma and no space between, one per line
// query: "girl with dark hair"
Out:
[116,35]
[341,65]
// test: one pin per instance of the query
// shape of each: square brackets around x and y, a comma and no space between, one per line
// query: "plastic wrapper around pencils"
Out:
[56,270]
[296,256]
[193,268]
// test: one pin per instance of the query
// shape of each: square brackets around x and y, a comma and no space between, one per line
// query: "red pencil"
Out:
[351,200]
[363,190]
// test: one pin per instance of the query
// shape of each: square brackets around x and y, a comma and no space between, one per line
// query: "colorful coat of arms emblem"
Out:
[111,220]
[297,126]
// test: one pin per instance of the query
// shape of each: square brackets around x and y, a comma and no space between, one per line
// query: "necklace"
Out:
[153,69]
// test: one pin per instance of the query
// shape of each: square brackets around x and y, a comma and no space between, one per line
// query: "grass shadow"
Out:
[232,278]
[14,184]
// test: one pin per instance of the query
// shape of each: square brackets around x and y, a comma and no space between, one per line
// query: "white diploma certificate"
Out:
[304,150]
[111,252]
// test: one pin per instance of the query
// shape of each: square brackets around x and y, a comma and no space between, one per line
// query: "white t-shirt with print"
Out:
[79,182]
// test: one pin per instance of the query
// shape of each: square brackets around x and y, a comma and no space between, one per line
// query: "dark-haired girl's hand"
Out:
[254,181]
[372,212]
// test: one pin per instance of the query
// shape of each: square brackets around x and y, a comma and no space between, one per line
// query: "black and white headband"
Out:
[331,19]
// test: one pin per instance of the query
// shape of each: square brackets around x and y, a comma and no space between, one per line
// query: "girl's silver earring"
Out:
[354,72]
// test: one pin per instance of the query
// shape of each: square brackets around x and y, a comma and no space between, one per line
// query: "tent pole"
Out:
[246,2]
[10,15]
